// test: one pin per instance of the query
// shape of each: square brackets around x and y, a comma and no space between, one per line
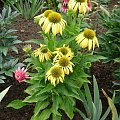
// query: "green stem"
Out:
[81,19]
[54,42]
[76,16]
[70,19]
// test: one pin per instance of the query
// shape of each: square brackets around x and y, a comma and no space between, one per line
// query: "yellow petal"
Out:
[80,38]
[90,45]
[41,21]
[75,7]
[94,44]
[60,29]
[67,71]
[47,30]
[70,68]
[53,29]
[96,41]
[46,22]
[57,28]
[84,43]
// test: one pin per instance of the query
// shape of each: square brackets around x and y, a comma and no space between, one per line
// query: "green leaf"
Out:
[50,45]
[9,73]
[65,41]
[67,91]
[93,58]
[112,106]
[5,50]
[3,93]
[96,96]
[105,10]
[1,81]
[94,112]
[81,113]
[56,117]
[117,59]
[68,107]
[36,98]
[36,86]
[48,88]
[113,30]
[105,114]
[17,41]
[17,104]
[55,106]
[82,74]
[31,99]
[45,114]
[89,97]
[14,49]
[40,105]
[99,111]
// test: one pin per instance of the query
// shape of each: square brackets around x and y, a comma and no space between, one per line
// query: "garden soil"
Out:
[27,29]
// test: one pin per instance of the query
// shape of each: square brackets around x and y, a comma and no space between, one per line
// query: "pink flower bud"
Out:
[64,9]
[89,5]
[65,1]
[21,75]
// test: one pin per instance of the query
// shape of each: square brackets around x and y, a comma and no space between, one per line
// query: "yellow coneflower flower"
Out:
[54,23]
[27,48]
[87,39]
[55,75]
[43,52]
[80,6]
[65,63]
[65,50]
[40,19]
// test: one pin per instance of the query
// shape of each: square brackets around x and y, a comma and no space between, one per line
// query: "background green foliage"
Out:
[27,8]
[110,40]
[8,63]
[110,44]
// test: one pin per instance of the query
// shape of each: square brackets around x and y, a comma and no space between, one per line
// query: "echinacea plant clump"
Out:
[58,67]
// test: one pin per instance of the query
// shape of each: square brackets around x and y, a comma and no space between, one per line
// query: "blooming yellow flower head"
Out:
[55,75]
[65,63]
[80,6]
[54,23]
[43,53]
[65,50]
[42,17]
[27,48]
[87,39]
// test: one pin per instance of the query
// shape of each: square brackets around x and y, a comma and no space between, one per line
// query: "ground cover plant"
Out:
[27,8]
[61,49]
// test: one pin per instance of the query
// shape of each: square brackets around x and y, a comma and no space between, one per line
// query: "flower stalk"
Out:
[54,42]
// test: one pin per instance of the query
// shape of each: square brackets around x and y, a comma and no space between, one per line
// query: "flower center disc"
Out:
[63,50]
[80,1]
[64,61]
[56,72]
[54,17]
[44,50]
[47,12]
[88,33]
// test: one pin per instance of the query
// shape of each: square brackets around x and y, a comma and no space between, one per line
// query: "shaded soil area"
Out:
[27,29]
